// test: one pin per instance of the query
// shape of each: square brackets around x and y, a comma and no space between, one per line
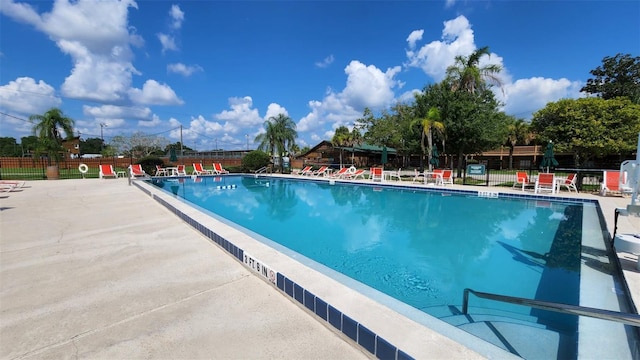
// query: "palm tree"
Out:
[47,128]
[465,73]
[279,136]
[341,139]
[518,133]
[430,124]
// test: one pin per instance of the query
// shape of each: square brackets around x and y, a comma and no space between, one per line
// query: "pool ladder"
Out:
[625,318]
[263,170]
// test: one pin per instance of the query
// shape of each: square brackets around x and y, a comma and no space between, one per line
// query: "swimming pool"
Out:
[420,247]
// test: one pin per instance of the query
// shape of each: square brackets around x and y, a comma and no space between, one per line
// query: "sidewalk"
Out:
[95,269]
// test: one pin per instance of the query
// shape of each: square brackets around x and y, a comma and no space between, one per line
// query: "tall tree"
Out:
[341,139]
[617,76]
[28,144]
[589,127]
[518,132]
[9,147]
[280,133]
[91,146]
[428,125]
[466,73]
[472,121]
[47,127]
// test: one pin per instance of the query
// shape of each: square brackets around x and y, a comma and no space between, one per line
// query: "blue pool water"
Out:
[422,248]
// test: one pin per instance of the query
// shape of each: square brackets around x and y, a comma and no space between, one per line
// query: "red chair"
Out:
[569,183]
[447,177]
[611,182]
[136,170]
[522,179]
[377,174]
[340,173]
[107,171]
[198,169]
[546,181]
[218,169]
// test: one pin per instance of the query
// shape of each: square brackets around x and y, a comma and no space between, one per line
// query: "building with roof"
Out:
[360,155]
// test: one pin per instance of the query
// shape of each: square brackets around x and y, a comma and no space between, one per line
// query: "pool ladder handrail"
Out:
[262,170]
[625,318]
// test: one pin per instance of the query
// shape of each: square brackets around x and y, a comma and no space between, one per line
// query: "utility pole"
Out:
[181,147]
[247,137]
[102,126]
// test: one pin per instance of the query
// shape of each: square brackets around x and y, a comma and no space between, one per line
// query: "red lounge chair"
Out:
[353,176]
[340,173]
[160,171]
[322,171]
[569,183]
[522,179]
[136,170]
[307,169]
[545,181]
[611,182]
[107,171]
[181,170]
[447,177]
[376,174]
[218,169]
[198,169]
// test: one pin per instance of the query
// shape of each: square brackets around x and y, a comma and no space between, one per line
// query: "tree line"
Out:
[457,117]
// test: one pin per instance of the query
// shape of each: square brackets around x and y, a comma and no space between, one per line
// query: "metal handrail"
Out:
[264,169]
[625,318]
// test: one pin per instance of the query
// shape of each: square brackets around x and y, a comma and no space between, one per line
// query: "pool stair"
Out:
[522,336]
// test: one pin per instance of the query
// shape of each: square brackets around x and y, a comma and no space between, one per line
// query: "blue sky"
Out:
[221,68]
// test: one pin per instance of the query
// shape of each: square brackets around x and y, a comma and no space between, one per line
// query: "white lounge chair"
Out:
[106,171]
[218,169]
[136,171]
[569,183]
[304,171]
[198,169]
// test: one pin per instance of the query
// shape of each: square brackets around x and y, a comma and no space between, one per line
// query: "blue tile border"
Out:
[361,335]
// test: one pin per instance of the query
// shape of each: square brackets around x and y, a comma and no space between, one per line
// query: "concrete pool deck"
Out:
[96,269]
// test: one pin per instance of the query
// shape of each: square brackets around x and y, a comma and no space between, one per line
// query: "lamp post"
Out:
[102,126]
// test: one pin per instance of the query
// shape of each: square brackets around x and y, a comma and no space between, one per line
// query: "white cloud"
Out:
[168,42]
[367,86]
[434,57]
[273,110]
[182,69]
[525,96]
[112,111]
[154,122]
[521,98]
[177,16]
[242,114]
[415,36]
[154,93]
[25,96]
[97,37]
[325,62]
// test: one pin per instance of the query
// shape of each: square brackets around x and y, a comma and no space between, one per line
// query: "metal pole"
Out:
[636,178]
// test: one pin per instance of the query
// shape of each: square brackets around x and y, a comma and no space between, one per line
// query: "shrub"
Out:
[255,160]
[149,164]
